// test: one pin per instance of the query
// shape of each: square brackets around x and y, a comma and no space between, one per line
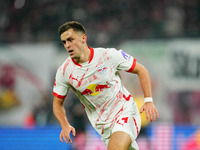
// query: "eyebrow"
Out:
[68,39]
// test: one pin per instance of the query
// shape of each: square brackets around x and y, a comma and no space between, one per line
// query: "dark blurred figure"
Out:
[79,121]
[185,106]
[42,114]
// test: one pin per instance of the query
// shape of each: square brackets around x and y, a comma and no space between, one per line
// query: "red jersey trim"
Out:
[92,54]
[91,57]
[76,63]
[59,96]
[133,66]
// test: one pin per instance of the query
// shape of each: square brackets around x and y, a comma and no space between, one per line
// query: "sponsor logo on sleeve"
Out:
[125,55]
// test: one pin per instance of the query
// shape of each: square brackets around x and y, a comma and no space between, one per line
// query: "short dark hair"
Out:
[76,26]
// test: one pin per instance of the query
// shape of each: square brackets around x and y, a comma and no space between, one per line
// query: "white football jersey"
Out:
[97,83]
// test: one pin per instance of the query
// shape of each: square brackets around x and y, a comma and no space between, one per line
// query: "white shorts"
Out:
[129,122]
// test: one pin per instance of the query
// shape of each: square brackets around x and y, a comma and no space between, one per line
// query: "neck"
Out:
[84,57]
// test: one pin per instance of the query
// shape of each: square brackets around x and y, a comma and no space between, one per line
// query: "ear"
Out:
[84,38]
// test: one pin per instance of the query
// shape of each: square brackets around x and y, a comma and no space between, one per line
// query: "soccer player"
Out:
[93,74]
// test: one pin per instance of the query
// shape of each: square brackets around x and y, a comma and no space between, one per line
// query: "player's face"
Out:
[73,42]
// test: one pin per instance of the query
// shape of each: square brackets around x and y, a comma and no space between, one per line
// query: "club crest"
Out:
[102,70]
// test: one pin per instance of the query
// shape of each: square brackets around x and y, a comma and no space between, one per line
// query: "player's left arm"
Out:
[145,82]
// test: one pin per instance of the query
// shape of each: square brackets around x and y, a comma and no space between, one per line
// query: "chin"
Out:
[73,57]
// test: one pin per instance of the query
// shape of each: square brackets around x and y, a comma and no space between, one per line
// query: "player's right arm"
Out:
[60,114]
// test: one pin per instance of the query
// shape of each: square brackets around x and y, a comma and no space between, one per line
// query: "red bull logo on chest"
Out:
[94,89]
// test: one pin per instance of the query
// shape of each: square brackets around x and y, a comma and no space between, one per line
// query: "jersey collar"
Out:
[91,54]
[91,57]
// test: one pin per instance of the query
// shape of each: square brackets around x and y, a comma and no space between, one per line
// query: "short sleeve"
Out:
[123,61]
[61,86]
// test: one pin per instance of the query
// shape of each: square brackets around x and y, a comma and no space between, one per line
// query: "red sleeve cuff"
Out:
[59,96]
[133,65]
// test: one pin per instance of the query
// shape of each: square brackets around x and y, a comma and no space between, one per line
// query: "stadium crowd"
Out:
[110,22]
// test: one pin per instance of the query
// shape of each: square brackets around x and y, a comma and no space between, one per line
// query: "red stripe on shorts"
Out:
[136,126]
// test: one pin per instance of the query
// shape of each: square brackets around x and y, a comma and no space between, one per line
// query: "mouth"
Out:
[70,51]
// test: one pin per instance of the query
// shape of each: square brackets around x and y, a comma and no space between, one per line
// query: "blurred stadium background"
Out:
[164,35]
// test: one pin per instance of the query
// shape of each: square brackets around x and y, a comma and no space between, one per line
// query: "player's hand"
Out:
[65,134]
[150,111]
